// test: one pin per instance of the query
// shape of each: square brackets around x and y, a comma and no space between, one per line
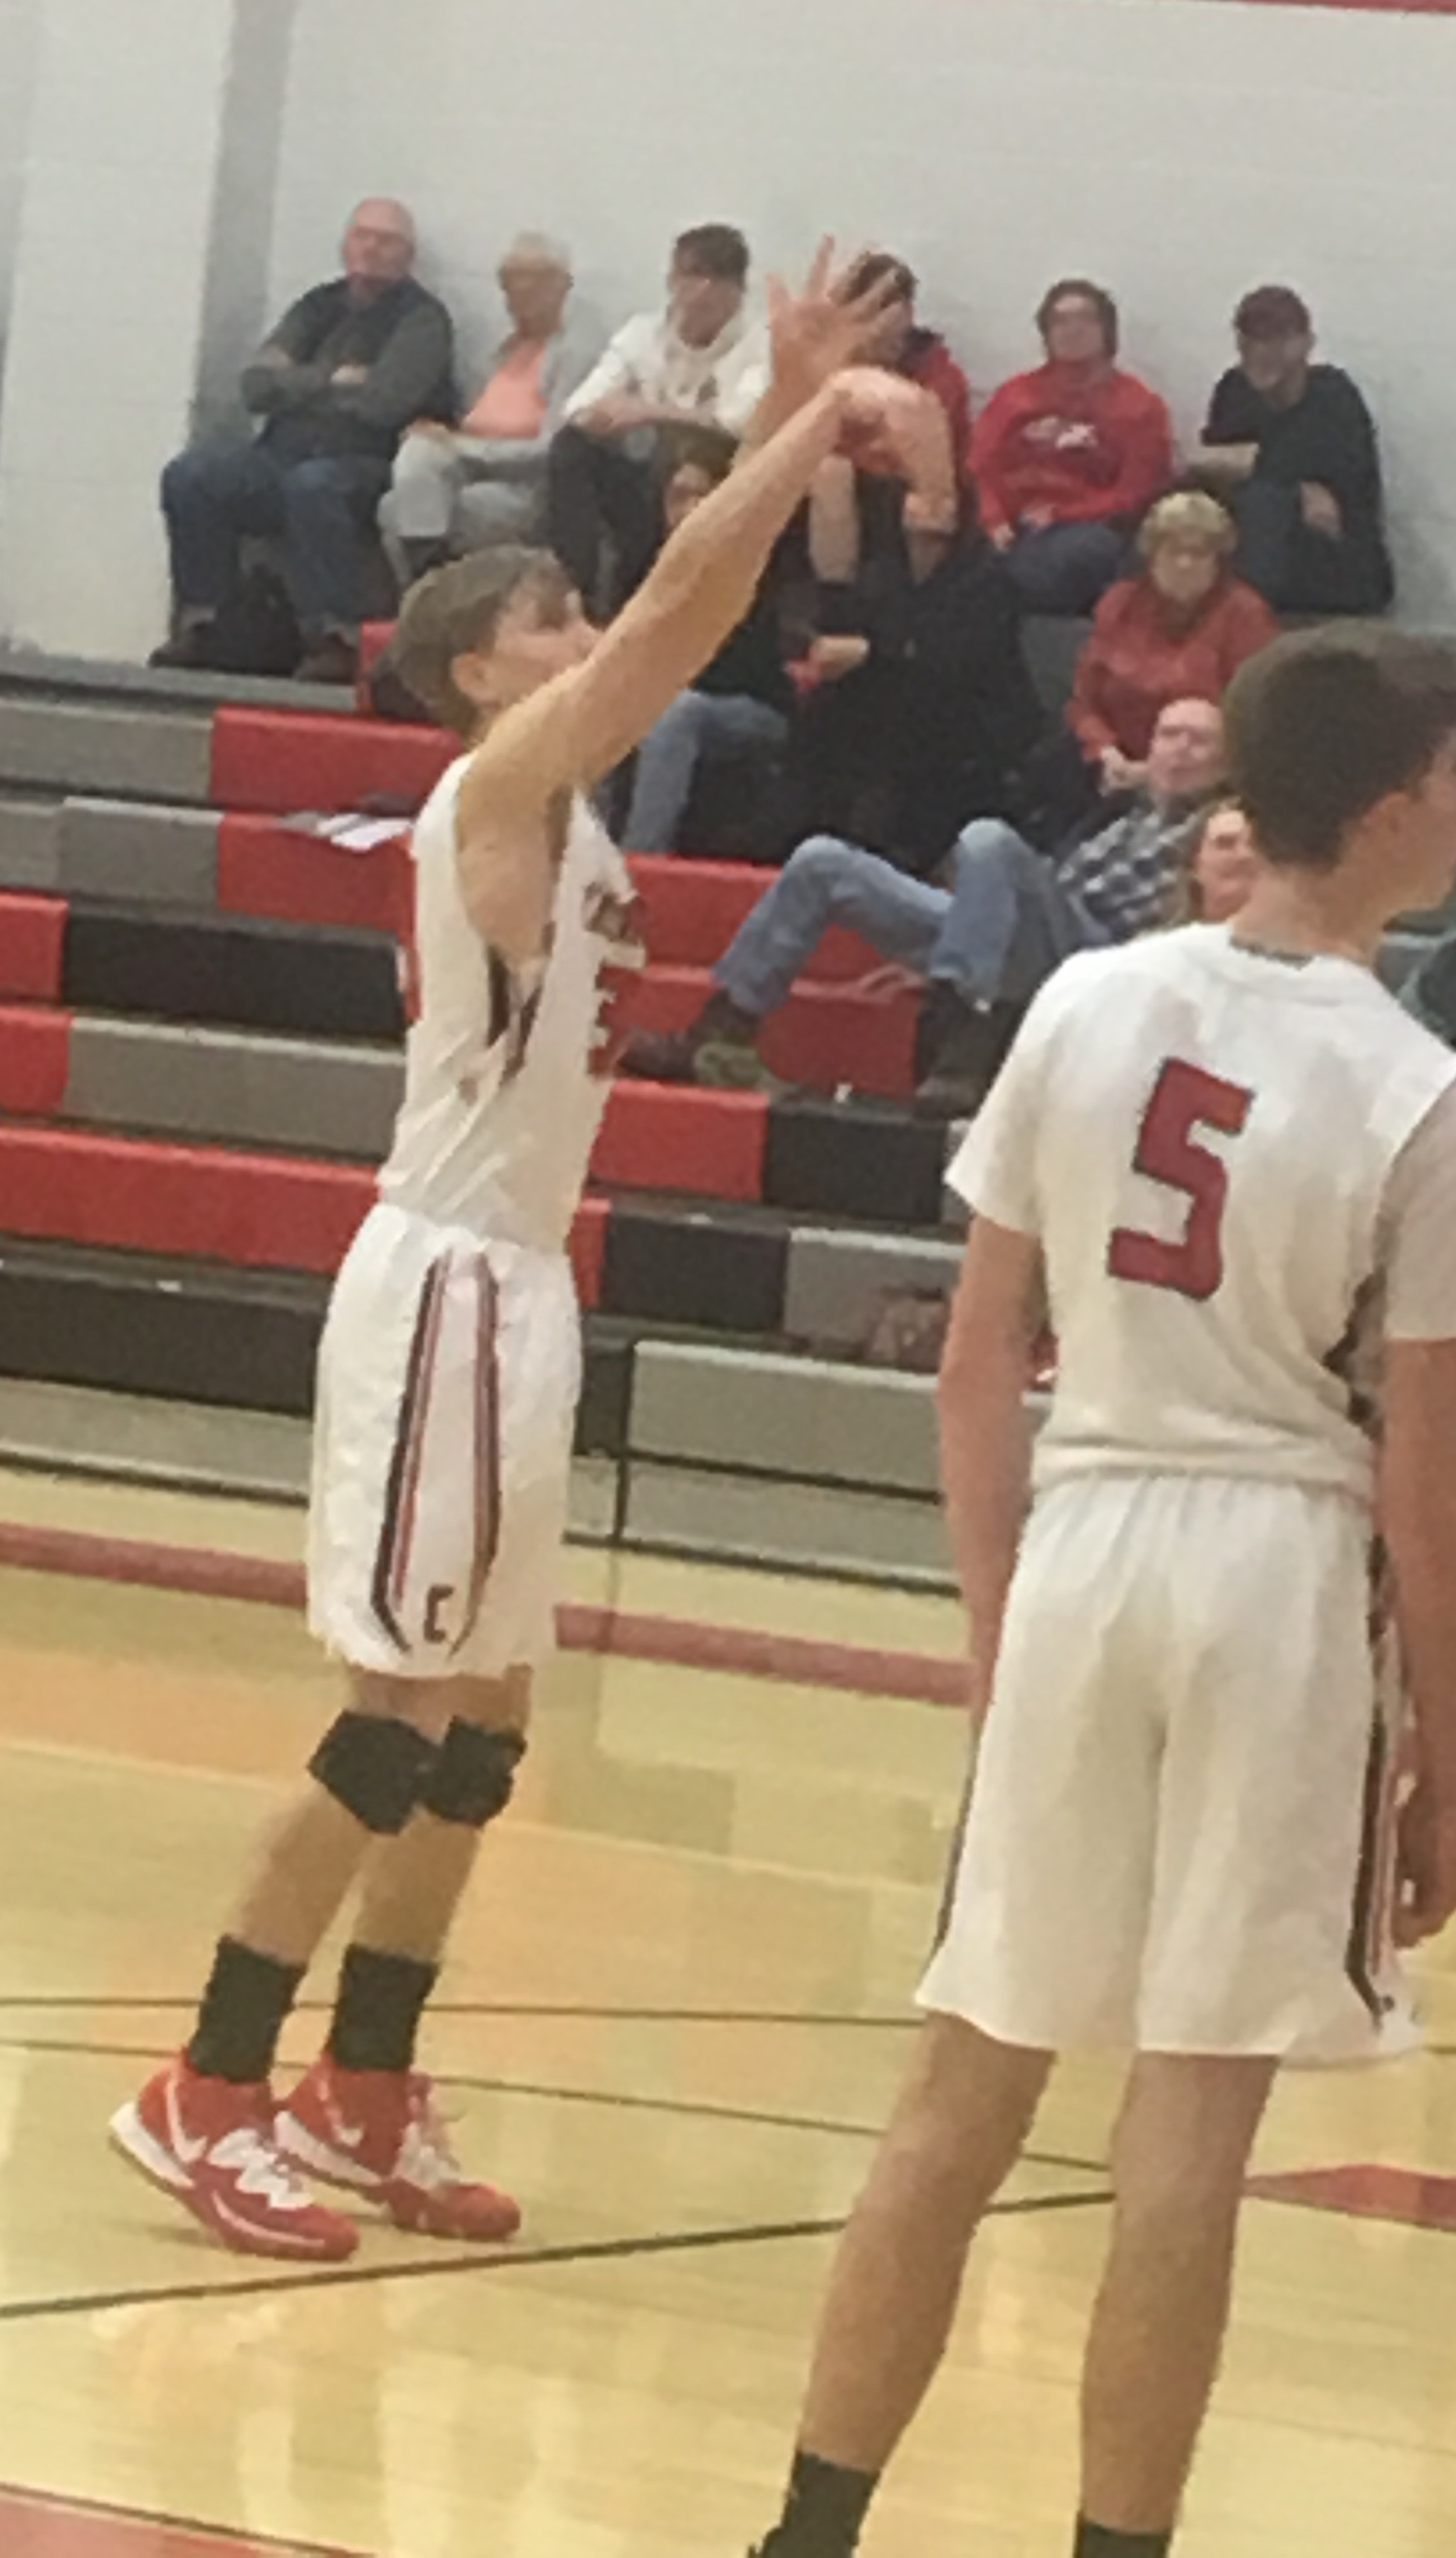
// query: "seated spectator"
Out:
[1004,917]
[923,710]
[1069,457]
[739,705]
[463,487]
[902,345]
[1291,446]
[1221,867]
[342,375]
[705,358]
[1183,629]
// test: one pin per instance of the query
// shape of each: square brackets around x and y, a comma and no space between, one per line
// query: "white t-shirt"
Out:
[1243,1174]
[722,384]
[507,1079]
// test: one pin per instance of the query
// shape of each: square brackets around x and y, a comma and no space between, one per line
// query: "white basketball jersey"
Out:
[506,1077]
[1202,1137]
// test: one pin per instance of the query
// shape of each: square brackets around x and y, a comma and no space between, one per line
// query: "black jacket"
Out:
[927,734]
[1328,437]
[407,342]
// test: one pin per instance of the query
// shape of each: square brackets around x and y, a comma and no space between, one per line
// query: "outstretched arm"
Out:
[581,725]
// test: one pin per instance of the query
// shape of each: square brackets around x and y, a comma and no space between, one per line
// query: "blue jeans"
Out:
[996,933]
[694,727]
[323,507]
[1067,568]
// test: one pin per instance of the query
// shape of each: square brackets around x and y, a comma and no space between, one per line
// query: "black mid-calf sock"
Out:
[376,2017]
[244,2009]
[1094,2540]
[823,2511]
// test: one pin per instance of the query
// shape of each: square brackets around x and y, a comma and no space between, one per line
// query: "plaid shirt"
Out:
[1121,879]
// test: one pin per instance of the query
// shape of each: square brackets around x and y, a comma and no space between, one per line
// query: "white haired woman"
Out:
[1180,629]
[463,488]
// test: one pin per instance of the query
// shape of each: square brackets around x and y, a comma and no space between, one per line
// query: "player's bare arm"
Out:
[1418,1520]
[986,1428]
[563,737]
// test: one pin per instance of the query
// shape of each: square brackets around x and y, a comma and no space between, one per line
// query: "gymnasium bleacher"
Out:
[200,1057]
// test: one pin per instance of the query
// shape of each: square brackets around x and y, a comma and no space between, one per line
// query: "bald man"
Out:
[348,369]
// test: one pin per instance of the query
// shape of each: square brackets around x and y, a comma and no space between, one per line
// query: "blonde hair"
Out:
[1189,516]
[1184,902]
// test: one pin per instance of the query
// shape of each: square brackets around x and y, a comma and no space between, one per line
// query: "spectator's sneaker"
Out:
[660,1056]
[210,2145]
[733,1065]
[380,2134]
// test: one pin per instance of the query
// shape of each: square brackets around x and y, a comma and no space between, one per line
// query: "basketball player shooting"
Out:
[1228,1159]
[450,1362]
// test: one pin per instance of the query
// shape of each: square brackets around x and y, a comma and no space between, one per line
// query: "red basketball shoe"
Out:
[213,2147]
[380,2134]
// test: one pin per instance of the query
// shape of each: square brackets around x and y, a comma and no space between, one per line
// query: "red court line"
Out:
[1400,2193]
[35,2525]
[924,1678]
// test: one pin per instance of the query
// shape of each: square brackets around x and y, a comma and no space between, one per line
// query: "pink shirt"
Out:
[512,406]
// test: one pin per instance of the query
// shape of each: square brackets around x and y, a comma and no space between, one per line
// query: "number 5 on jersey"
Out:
[1184,1098]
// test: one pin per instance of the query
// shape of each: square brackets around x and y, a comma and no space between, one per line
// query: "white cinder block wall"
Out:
[1180,148]
[19,36]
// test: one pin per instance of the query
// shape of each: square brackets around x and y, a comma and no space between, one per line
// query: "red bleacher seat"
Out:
[31,942]
[264,1211]
[657,1136]
[35,1061]
[280,761]
[293,877]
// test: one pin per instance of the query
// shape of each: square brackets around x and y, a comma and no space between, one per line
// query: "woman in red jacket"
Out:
[1180,631]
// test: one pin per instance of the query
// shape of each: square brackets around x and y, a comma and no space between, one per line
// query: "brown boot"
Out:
[331,661]
[960,1047]
[720,1049]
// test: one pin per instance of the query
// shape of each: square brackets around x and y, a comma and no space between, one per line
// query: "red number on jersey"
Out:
[1183,1097]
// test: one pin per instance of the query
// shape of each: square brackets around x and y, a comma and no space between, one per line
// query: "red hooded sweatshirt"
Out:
[1090,449]
[927,361]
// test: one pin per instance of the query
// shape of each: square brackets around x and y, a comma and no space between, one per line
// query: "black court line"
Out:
[628,2103]
[677,2242]
[507,2007]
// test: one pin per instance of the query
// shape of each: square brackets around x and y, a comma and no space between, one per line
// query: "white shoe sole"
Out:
[133,2142]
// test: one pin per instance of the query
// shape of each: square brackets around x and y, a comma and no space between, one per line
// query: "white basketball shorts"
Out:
[448,1382]
[1180,1837]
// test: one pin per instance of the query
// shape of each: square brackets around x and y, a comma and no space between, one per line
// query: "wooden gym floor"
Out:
[673,2020]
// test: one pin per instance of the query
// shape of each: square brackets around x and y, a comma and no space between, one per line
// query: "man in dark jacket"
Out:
[929,711]
[1291,446]
[346,369]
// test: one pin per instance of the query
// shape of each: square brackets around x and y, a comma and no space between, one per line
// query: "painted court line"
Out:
[37,2525]
[921,1678]
[491,2261]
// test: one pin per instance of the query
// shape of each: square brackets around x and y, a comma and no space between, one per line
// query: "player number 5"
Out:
[1184,1097]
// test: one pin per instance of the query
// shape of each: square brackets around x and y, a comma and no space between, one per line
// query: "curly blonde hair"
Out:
[1189,516]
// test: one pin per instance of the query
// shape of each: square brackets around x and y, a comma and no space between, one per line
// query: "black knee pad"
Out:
[474,1774]
[376,1767]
